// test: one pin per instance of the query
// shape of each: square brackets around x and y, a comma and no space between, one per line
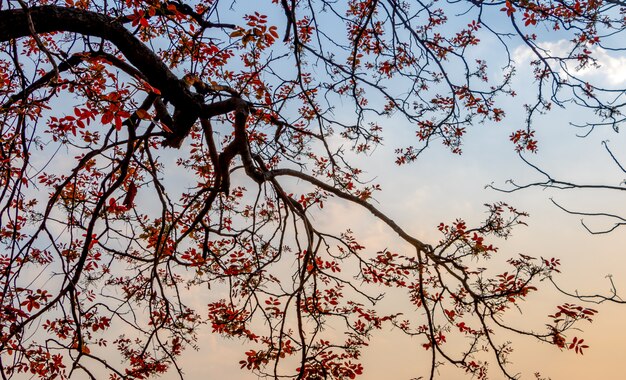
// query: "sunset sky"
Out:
[440,187]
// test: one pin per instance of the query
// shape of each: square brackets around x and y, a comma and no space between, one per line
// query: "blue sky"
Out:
[441,187]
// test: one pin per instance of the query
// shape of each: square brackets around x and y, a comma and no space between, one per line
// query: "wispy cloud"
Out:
[610,69]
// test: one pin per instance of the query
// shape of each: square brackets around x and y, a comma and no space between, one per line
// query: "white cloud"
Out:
[611,70]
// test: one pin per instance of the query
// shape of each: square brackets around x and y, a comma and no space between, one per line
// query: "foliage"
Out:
[105,103]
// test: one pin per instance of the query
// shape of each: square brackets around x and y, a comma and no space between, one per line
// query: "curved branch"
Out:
[51,19]
[423,247]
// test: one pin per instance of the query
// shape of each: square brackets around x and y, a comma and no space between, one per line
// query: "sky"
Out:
[454,187]
[441,187]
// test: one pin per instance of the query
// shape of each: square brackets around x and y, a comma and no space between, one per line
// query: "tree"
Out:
[104,102]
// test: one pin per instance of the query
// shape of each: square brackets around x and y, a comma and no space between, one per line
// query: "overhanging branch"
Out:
[52,19]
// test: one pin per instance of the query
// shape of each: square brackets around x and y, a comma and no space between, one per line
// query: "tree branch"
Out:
[51,19]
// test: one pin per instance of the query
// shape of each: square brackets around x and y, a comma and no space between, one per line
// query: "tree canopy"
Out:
[111,263]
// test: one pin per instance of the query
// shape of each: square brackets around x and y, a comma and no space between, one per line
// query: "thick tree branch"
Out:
[51,19]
